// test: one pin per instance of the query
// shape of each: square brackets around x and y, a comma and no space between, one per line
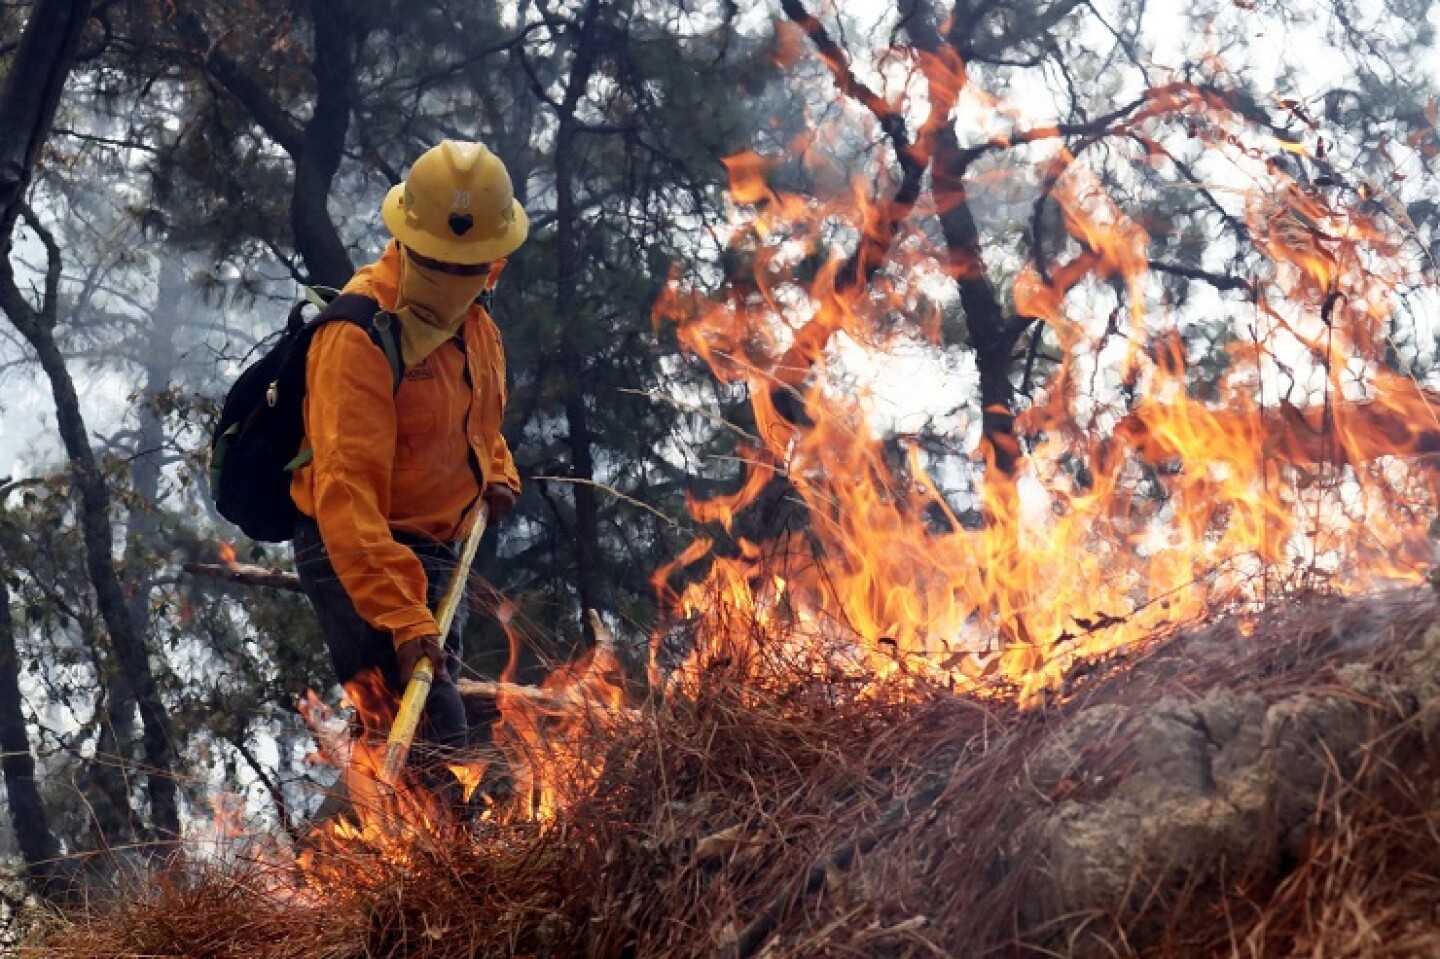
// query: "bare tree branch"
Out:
[1220,281]
[246,575]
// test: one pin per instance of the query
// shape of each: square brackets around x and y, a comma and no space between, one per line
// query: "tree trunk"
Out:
[318,160]
[98,536]
[38,845]
[97,533]
[992,335]
[27,111]
[114,817]
[31,94]
[567,299]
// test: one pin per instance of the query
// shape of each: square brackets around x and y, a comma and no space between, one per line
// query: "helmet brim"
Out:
[458,250]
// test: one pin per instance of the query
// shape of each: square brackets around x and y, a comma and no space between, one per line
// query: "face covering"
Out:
[431,306]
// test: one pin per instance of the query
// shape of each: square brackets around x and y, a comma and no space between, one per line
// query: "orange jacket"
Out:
[388,463]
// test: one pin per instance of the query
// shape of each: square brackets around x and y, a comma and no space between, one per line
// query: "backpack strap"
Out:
[382,332]
[365,313]
[320,296]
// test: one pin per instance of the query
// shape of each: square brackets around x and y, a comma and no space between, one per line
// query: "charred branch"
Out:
[874,246]
[245,575]
[1220,281]
[838,62]
[1156,101]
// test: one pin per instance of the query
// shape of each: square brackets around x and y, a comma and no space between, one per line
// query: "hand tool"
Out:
[412,704]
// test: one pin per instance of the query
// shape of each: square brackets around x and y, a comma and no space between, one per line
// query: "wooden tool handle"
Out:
[412,704]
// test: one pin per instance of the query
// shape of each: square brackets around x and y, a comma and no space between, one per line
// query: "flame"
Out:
[389,822]
[469,775]
[1137,505]
[227,554]
[229,814]
[545,736]
[548,736]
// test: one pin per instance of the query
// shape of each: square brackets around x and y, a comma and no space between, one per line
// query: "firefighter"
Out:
[399,472]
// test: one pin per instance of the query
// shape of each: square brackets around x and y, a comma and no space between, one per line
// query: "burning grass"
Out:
[1260,787]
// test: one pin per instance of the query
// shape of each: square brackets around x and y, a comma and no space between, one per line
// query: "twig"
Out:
[246,575]
[839,859]
[578,481]
[557,701]
[656,396]
[486,689]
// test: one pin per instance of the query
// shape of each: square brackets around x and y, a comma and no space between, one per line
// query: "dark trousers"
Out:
[356,646]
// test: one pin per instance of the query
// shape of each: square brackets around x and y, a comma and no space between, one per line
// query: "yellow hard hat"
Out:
[457,205]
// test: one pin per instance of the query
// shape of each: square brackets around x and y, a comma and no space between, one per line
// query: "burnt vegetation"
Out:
[1196,796]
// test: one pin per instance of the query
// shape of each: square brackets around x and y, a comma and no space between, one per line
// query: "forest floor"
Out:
[1260,787]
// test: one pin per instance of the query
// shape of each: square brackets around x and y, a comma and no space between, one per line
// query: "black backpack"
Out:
[256,443]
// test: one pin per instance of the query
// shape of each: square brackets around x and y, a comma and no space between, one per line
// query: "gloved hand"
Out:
[500,499]
[411,651]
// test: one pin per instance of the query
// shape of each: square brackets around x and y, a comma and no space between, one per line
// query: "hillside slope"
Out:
[1263,787]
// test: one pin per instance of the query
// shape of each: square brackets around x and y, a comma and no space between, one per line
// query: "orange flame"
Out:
[385,820]
[469,775]
[1138,504]
[548,736]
